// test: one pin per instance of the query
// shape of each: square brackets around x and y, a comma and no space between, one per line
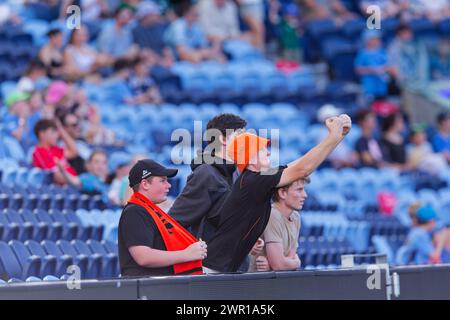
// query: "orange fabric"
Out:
[244,147]
[174,235]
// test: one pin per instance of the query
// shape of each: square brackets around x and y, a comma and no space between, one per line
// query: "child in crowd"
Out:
[421,155]
[426,243]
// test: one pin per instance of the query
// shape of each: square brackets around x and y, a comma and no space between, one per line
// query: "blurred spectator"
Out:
[7,15]
[142,85]
[219,19]
[79,58]
[93,130]
[392,142]
[289,33]
[441,141]
[71,124]
[252,12]
[35,71]
[94,180]
[149,33]
[434,10]
[367,147]
[19,121]
[408,57]
[372,65]
[440,61]
[283,229]
[188,39]
[421,155]
[425,243]
[47,10]
[325,9]
[52,54]
[116,38]
[57,96]
[119,182]
[344,155]
[389,8]
[92,10]
[49,156]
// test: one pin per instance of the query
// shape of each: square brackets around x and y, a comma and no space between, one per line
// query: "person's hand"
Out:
[335,126]
[297,260]
[347,123]
[262,264]
[435,258]
[197,251]
[258,247]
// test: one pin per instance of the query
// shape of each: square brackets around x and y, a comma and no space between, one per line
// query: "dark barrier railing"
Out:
[428,282]
[423,282]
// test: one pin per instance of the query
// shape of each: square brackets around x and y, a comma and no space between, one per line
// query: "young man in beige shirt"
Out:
[282,231]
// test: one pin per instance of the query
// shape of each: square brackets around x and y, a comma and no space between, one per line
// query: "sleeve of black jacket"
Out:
[194,201]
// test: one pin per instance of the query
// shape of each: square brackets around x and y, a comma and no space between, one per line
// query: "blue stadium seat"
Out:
[30,264]
[55,228]
[70,229]
[95,260]
[382,246]
[110,260]
[10,264]
[88,267]
[63,260]
[110,246]
[49,263]
[26,229]
[10,231]
[353,28]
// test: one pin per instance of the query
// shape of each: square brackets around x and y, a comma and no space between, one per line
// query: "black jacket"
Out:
[197,205]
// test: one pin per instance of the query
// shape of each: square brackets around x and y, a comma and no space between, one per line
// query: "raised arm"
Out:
[301,168]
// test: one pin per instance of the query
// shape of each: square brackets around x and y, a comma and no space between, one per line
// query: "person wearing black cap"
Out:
[151,243]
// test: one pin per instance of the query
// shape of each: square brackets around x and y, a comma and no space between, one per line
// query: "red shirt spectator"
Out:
[45,158]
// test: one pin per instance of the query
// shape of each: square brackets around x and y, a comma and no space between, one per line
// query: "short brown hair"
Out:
[43,125]
[276,197]
[135,188]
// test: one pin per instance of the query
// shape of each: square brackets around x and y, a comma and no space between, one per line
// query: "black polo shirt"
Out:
[137,228]
[243,218]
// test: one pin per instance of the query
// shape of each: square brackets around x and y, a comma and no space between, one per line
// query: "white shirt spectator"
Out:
[219,21]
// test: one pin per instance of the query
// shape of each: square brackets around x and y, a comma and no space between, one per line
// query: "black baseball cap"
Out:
[148,168]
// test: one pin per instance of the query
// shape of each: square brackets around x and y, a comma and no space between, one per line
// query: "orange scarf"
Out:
[175,237]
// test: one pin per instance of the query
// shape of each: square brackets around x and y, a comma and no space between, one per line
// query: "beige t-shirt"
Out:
[281,230]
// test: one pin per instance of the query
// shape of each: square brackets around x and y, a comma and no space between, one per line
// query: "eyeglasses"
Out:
[73,125]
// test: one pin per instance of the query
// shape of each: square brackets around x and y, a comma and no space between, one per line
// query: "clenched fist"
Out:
[339,126]
[197,251]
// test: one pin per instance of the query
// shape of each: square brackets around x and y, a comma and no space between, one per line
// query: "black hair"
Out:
[53,32]
[182,7]
[389,122]
[226,121]
[43,125]
[442,117]
[122,63]
[402,28]
[34,65]
[363,114]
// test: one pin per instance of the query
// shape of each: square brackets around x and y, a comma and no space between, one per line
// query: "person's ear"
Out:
[282,193]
